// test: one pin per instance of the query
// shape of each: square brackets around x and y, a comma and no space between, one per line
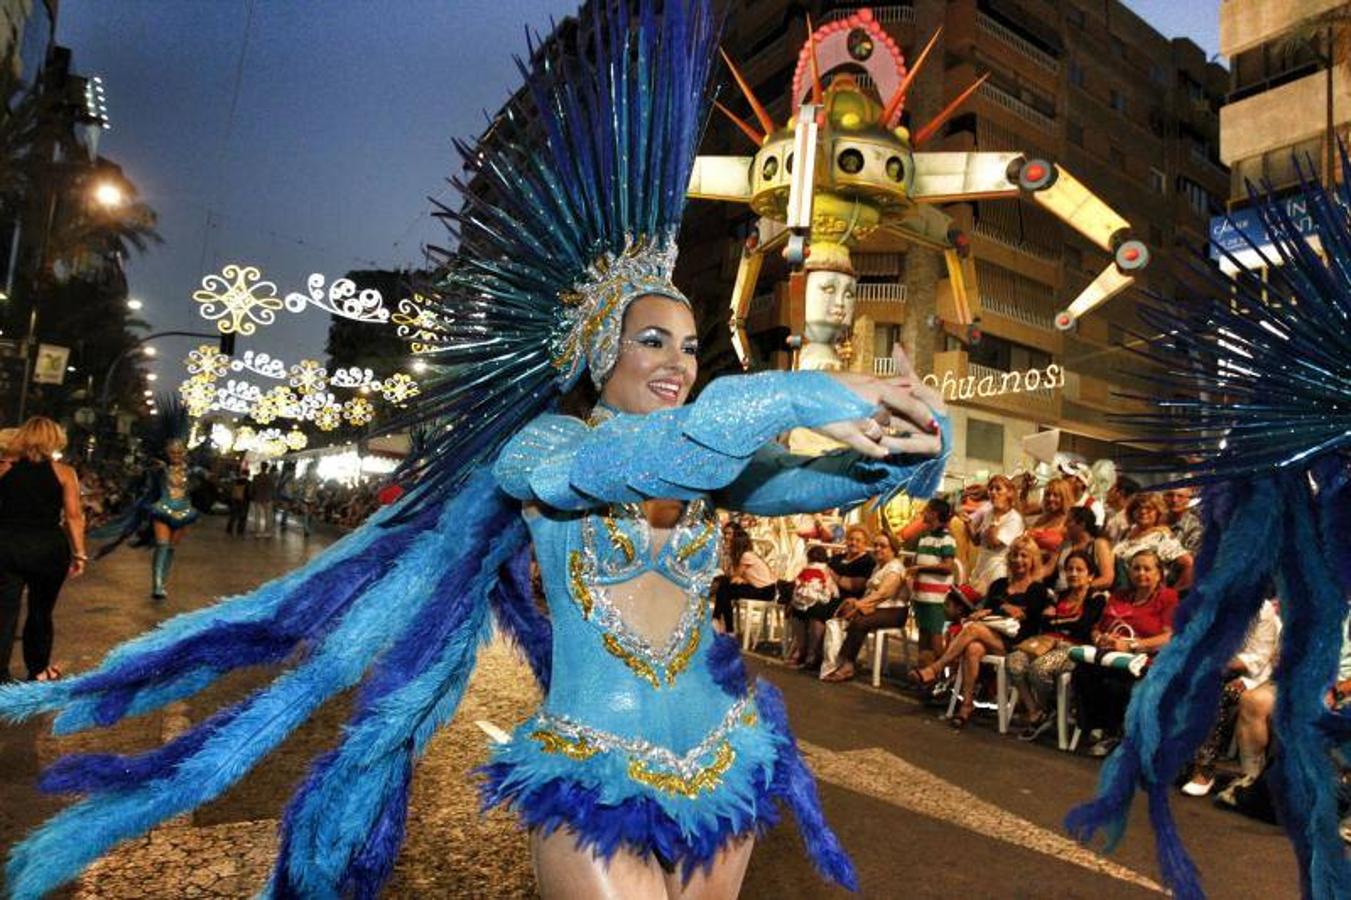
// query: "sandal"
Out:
[958,722]
[917,677]
[839,675]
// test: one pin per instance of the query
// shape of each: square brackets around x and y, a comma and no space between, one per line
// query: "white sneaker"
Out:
[1103,747]
[1199,786]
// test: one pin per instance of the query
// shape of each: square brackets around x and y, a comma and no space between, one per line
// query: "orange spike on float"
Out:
[816,67]
[745,127]
[894,105]
[760,114]
[929,129]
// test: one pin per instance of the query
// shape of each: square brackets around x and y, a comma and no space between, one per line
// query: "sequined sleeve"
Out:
[777,482]
[676,453]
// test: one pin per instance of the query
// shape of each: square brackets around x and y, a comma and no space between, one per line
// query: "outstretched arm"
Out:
[683,453]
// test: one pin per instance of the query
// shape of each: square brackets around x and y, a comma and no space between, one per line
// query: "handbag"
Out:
[1038,645]
[1005,625]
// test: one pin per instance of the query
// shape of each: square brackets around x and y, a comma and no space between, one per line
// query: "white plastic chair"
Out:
[1062,713]
[1006,696]
[758,617]
[909,638]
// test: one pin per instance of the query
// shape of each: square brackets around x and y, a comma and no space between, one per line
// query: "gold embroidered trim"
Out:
[682,659]
[694,546]
[706,779]
[622,542]
[581,592]
[553,742]
[640,668]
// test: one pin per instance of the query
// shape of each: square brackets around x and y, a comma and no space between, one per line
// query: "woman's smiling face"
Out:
[658,357]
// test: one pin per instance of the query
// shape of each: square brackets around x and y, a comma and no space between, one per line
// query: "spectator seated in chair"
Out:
[814,588]
[1009,614]
[1150,531]
[748,578]
[1136,621]
[1081,533]
[881,606]
[1250,669]
[1036,663]
[851,569]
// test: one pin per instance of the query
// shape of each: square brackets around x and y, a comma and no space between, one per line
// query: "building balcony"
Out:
[1246,23]
[1282,116]
[880,293]
[1031,316]
[993,233]
[1001,98]
[1007,36]
[884,366]
[895,14]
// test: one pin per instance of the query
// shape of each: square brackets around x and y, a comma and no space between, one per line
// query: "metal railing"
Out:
[1001,97]
[884,365]
[1013,243]
[1034,317]
[1003,33]
[881,293]
[887,15]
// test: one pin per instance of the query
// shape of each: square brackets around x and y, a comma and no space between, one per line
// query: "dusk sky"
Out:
[323,157]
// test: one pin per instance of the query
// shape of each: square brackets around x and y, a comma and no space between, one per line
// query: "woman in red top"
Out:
[1138,620]
[1048,528]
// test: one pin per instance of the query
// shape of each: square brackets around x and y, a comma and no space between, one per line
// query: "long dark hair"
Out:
[740,545]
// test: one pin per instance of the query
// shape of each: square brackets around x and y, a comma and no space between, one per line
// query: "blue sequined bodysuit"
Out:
[172,505]
[663,747]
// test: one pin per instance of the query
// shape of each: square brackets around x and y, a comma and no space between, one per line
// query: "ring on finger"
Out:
[873,430]
[894,432]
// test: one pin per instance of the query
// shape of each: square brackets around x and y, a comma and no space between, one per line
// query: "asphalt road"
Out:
[926,812]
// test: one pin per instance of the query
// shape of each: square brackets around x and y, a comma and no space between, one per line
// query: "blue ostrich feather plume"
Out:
[1252,403]
[519,618]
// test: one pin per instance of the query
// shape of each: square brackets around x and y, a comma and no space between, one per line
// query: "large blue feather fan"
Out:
[1253,403]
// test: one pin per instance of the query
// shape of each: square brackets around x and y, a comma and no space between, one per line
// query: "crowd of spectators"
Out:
[1051,580]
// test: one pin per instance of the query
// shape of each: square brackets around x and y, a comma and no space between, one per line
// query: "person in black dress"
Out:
[851,570]
[41,541]
[1010,613]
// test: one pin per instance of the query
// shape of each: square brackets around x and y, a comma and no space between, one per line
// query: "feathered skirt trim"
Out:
[616,799]
[176,514]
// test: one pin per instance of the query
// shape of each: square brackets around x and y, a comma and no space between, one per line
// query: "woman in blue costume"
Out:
[652,764]
[164,506]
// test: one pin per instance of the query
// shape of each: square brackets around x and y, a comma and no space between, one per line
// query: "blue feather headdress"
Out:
[1253,405]
[568,215]
[572,202]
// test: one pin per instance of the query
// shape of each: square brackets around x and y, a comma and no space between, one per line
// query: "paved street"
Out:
[926,812]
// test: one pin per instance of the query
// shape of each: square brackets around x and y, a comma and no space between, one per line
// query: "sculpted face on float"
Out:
[829,311]
[658,357]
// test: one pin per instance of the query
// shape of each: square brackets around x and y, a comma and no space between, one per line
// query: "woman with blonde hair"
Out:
[1048,527]
[41,540]
[1148,515]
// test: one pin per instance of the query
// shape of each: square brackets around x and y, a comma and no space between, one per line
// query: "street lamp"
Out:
[419,366]
[109,194]
[149,351]
[152,377]
[135,305]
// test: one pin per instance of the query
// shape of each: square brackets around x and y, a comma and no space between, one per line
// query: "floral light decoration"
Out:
[208,362]
[358,411]
[418,325]
[399,388]
[198,393]
[238,300]
[244,437]
[309,377]
[295,439]
[259,364]
[328,417]
[341,299]
[265,410]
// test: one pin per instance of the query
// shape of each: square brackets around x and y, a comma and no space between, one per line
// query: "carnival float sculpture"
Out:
[843,167]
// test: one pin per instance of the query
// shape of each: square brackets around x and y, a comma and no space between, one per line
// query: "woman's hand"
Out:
[978,614]
[846,609]
[906,420]
[77,565]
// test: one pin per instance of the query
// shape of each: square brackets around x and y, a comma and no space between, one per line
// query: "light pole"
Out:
[106,194]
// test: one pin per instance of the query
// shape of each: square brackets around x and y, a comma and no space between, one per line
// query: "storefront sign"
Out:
[996,384]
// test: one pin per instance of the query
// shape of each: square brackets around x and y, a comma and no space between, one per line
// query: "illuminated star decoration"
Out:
[295,439]
[328,417]
[238,300]
[198,393]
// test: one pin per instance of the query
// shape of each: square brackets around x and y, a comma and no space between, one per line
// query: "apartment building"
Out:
[1087,84]
[1289,98]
